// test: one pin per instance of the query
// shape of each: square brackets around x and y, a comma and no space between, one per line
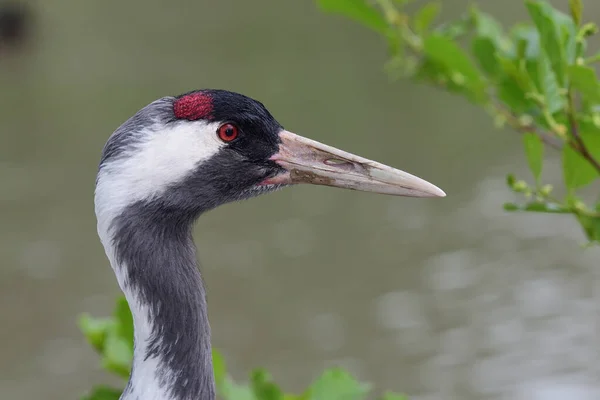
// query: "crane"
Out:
[173,160]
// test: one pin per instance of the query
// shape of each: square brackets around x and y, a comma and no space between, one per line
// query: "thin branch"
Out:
[593,59]
[577,142]
[518,125]
[545,137]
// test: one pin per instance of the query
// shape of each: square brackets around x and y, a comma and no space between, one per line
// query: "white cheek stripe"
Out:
[162,157]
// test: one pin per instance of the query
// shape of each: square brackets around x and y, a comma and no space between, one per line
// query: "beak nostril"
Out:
[336,162]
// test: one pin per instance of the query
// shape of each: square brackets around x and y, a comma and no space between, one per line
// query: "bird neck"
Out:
[155,264]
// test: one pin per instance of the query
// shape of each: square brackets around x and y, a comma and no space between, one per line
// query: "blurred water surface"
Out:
[442,299]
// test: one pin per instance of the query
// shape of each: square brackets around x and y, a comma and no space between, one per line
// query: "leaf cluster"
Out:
[535,77]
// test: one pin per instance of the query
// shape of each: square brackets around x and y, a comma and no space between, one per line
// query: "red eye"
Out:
[227,132]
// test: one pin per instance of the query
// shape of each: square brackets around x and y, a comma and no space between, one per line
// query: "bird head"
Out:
[187,154]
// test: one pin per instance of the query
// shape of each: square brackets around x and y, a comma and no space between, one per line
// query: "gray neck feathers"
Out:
[156,266]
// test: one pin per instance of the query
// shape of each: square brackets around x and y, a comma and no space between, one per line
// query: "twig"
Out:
[517,125]
[593,59]
[577,142]
[544,136]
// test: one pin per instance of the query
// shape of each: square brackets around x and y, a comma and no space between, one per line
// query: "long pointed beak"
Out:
[308,161]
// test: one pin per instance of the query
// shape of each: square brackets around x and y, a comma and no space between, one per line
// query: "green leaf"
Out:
[117,355]
[95,330]
[528,42]
[219,367]
[484,51]
[511,180]
[337,384]
[431,71]
[533,71]
[358,10]
[568,32]
[589,29]
[488,43]
[590,134]
[103,393]
[124,321]
[425,17]
[576,10]
[512,70]
[558,41]
[487,27]
[533,66]
[585,81]
[455,29]
[263,386]
[513,96]
[591,140]
[534,150]
[591,227]
[450,55]
[548,85]
[577,171]
[514,86]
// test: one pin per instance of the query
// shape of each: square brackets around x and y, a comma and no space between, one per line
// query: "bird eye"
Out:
[227,132]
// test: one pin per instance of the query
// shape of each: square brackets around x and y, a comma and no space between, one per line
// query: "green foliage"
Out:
[357,10]
[534,150]
[112,338]
[584,80]
[534,77]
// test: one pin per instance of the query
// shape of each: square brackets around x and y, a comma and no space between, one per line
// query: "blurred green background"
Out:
[440,299]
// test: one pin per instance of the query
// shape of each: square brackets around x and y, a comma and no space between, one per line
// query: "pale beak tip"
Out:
[422,188]
[430,191]
[437,192]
